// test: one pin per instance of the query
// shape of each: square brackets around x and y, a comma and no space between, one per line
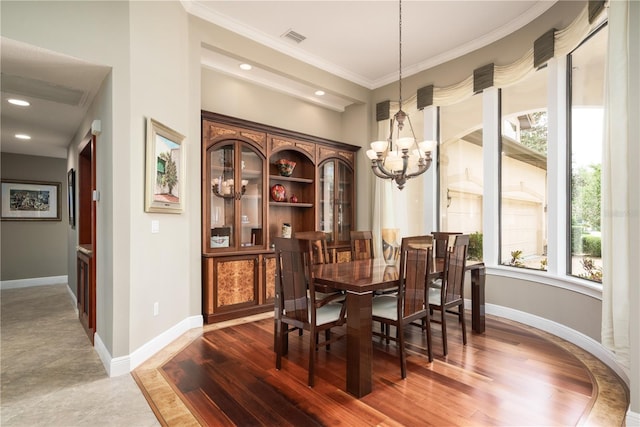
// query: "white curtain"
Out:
[383,213]
[616,216]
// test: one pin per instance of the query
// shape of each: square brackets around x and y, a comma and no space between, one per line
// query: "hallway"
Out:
[51,376]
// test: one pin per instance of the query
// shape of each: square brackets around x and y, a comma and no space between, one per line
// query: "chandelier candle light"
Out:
[402,162]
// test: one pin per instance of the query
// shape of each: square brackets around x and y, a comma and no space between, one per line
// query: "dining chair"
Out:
[361,245]
[316,242]
[295,308]
[410,304]
[451,293]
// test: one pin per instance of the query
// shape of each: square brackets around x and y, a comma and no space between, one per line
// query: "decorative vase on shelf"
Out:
[390,245]
[286,230]
[285,167]
[278,193]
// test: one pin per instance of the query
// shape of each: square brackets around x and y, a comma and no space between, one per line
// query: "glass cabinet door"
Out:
[344,201]
[336,195]
[236,200]
[251,212]
[326,188]
[222,163]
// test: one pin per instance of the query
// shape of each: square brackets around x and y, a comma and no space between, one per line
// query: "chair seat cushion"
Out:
[385,306]
[434,296]
[386,291]
[327,313]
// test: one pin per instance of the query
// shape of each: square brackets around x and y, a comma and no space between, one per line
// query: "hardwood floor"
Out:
[511,375]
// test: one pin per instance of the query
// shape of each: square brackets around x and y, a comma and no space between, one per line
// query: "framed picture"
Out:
[71,196]
[164,188]
[30,200]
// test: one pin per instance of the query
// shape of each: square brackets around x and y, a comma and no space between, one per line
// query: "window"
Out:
[523,196]
[586,65]
[461,171]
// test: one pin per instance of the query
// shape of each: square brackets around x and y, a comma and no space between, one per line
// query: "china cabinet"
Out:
[259,182]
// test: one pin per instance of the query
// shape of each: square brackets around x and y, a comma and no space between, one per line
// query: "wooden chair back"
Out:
[316,242]
[361,245]
[415,262]
[455,262]
[441,239]
[291,282]
[416,242]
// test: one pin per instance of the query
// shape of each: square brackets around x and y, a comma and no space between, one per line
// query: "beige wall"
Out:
[160,263]
[34,249]
[574,310]
[233,97]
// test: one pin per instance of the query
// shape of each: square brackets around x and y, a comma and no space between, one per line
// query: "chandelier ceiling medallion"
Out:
[408,158]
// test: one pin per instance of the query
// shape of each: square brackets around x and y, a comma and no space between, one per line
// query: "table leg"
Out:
[477,299]
[359,343]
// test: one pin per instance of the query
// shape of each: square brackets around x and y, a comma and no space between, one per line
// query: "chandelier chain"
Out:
[400,53]
[403,162]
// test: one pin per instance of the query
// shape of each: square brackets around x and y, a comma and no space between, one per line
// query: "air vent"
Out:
[293,36]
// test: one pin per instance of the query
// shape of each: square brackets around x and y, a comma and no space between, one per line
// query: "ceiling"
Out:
[355,40]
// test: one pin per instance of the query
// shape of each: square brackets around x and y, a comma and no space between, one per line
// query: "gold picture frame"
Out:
[165,169]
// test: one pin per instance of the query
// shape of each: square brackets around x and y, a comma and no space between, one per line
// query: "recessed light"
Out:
[319,92]
[22,136]
[245,67]
[19,102]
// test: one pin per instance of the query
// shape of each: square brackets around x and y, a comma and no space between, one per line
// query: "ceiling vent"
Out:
[293,36]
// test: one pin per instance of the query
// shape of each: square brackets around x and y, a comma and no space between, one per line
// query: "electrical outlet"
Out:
[156,308]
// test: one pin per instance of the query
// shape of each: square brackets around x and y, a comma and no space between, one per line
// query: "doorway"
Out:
[86,252]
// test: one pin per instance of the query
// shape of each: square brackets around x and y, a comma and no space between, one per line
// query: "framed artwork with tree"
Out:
[165,171]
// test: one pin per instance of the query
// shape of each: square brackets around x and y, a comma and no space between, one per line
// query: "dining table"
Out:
[359,279]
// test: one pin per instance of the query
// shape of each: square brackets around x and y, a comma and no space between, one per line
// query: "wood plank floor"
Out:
[511,375]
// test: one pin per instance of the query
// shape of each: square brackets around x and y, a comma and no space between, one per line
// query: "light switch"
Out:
[155,226]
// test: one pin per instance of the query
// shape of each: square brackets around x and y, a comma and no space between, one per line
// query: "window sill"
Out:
[573,284]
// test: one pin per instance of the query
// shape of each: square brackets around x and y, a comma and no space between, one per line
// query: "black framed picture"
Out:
[71,196]
[30,200]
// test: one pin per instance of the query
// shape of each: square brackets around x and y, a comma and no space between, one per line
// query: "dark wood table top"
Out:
[357,276]
[368,275]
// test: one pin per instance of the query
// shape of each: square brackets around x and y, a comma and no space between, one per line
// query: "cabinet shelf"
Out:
[295,205]
[291,179]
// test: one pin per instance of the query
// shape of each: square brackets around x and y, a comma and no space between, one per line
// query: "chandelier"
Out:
[408,158]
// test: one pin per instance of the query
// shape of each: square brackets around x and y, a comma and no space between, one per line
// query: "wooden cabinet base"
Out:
[237,285]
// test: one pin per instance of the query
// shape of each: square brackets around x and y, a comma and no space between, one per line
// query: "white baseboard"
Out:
[36,281]
[74,299]
[122,365]
[633,419]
